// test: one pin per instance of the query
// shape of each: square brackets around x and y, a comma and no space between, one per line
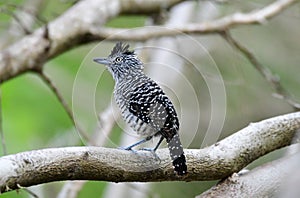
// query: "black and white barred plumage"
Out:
[143,104]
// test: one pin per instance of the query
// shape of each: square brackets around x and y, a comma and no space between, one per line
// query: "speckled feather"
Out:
[144,105]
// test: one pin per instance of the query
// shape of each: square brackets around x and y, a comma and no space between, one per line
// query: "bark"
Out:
[218,161]
[69,30]
[263,181]
[72,29]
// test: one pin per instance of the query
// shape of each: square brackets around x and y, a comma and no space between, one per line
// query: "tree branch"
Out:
[68,30]
[64,103]
[96,163]
[105,125]
[263,70]
[24,19]
[215,26]
[262,181]
[71,29]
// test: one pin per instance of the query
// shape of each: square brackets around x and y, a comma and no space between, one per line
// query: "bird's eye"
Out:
[118,59]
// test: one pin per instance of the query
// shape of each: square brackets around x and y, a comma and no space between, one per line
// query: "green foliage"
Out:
[14,194]
[92,189]
[127,21]
[29,111]
[54,8]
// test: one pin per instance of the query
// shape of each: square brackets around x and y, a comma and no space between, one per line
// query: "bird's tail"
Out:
[177,155]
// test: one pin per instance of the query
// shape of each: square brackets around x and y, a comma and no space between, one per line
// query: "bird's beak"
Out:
[103,61]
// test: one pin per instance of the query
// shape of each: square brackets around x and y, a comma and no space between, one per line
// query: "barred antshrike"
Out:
[143,104]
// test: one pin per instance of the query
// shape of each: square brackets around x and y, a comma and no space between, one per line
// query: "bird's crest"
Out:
[121,48]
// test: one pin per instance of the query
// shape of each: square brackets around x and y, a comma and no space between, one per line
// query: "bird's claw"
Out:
[151,150]
[127,149]
[148,149]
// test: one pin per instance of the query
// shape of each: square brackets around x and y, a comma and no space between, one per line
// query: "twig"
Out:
[24,16]
[28,191]
[71,189]
[29,13]
[17,19]
[97,163]
[274,80]
[64,103]
[106,121]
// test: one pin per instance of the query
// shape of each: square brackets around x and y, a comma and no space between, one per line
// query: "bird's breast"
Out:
[122,97]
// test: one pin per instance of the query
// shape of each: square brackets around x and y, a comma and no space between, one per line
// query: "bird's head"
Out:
[121,62]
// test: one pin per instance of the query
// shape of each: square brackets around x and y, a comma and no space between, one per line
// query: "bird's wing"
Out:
[149,104]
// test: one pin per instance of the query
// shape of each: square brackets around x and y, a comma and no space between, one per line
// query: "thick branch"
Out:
[67,31]
[96,163]
[105,124]
[72,29]
[262,181]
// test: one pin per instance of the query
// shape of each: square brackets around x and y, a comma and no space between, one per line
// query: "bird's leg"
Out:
[128,148]
[156,147]
[152,150]
[158,143]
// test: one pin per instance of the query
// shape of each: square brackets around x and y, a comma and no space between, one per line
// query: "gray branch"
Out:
[262,181]
[71,29]
[207,27]
[218,161]
[263,70]
[24,20]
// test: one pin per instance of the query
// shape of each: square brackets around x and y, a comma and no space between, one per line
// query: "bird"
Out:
[144,105]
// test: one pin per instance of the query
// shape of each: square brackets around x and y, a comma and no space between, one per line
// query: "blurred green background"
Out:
[33,118]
